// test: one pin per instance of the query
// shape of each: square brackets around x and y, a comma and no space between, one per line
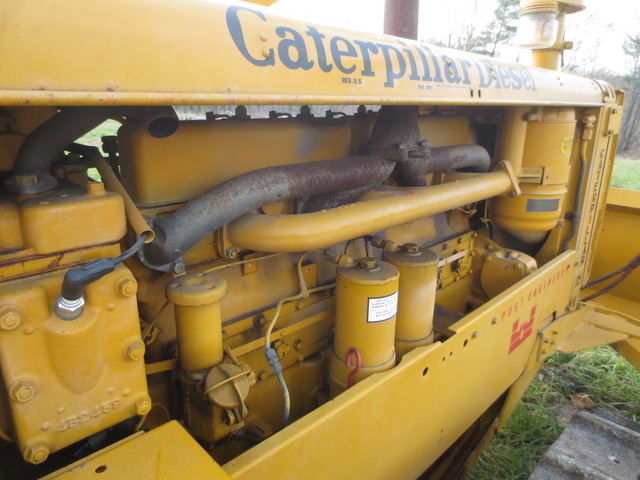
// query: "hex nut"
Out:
[10,318]
[142,406]
[36,453]
[22,392]
[367,263]
[127,286]
[135,351]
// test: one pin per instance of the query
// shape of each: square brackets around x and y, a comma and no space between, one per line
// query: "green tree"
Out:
[501,29]
[630,133]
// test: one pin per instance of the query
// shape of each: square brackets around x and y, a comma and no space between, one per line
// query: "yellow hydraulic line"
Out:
[294,233]
[136,220]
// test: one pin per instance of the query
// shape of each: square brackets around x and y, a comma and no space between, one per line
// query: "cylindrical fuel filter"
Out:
[366,306]
[416,297]
[196,297]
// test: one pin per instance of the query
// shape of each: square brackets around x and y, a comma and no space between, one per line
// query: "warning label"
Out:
[382,308]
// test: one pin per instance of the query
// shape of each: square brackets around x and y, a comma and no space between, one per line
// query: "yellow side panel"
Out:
[617,245]
[166,453]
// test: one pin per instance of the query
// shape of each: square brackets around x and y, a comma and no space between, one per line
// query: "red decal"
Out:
[519,333]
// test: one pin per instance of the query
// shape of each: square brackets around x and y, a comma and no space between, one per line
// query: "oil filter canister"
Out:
[416,296]
[366,306]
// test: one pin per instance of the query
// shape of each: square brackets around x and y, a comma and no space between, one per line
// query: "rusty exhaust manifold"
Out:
[233,198]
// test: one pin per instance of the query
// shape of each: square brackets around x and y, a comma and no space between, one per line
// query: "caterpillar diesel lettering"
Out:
[360,284]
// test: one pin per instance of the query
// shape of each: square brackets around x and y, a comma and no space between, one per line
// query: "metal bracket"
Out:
[506,165]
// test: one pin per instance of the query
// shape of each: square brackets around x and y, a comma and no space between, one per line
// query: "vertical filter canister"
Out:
[196,298]
[418,270]
[366,306]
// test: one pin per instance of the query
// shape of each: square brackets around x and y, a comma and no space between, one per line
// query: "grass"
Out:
[599,375]
[93,138]
[626,174]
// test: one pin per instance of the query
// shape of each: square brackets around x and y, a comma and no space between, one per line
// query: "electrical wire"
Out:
[242,262]
[624,272]
[270,353]
[146,334]
[132,250]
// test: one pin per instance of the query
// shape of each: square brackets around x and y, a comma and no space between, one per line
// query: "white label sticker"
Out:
[382,308]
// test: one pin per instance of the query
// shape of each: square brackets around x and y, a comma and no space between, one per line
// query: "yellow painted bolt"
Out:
[262,375]
[10,318]
[142,406]
[36,453]
[298,345]
[22,392]
[95,188]
[135,351]
[127,286]
[367,263]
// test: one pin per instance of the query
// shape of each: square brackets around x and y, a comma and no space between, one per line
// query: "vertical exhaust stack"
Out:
[401,18]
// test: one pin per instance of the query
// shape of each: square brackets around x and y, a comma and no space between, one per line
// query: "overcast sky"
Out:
[614,18]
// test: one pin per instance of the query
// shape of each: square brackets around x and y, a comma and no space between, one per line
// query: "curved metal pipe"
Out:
[233,198]
[292,233]
[39,150]
[334,199]
[472,157]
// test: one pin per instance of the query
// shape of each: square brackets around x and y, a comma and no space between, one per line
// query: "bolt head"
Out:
[231,253]
[22,392]
[26,180]
[36,453]
[410,248]
[367,262]
[10,318]
[142,406]
[95,188]
[127,286]
[135,351]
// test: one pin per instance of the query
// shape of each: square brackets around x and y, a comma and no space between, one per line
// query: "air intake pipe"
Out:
[39,150]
